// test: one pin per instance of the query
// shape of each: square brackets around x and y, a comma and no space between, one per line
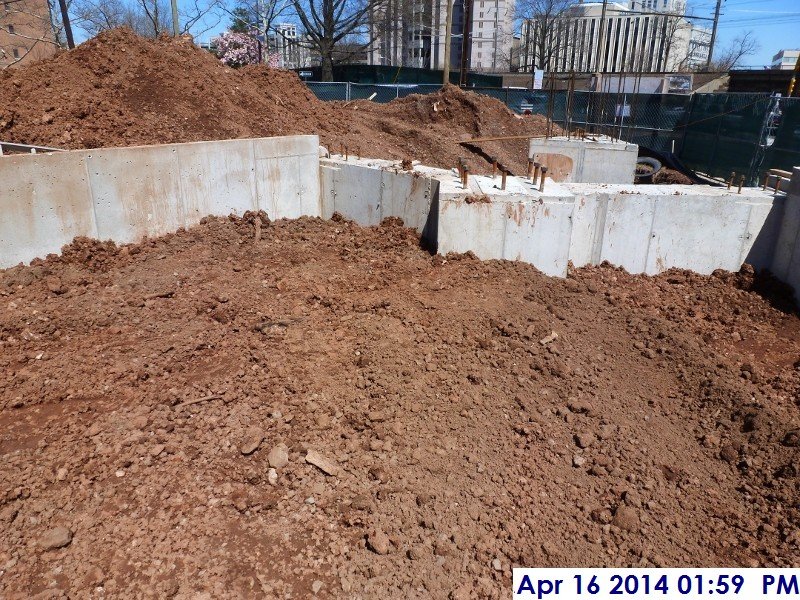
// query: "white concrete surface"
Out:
[125,194]
[592,160]
[369,190]
[649,229]
[786,263]
[43,205]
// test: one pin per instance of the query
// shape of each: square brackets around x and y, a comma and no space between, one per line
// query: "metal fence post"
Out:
[347,92]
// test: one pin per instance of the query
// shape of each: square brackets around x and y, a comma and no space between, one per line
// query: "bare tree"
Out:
[543,22]
[258,15]
[743,45]
[328,22]
[149,18]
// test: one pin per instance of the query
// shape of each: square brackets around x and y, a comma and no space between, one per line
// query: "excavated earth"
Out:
[432,422]
[119,89]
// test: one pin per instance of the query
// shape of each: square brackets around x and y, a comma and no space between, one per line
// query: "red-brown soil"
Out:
[144,390]
[119,89]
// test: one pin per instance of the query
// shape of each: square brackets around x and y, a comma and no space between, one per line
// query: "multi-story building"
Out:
[412,33]
[640,36]
[288,44]
[26,32]
[785,60]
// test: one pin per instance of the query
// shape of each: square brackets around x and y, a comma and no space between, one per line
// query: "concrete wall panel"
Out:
[478,227]
[45,205]
[216,177]
[786,263]
[588,226]
[707,233]
[539,234]
[407,196]
[763,230]
[627,231]
[355,191]
[136,191]
[610,166]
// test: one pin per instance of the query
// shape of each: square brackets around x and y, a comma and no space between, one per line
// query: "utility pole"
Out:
[67,26]
[176,26]
[713,35]
[448,30]
[466,42]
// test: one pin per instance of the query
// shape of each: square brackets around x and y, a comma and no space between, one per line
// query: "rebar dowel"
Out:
[541,181]
[466,177]
[530,167]
[494,168]
[741,183]
[766,178]
[503,172]
[730,181]
[346,154]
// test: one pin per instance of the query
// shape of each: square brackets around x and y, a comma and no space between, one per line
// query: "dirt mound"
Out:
[330,410]
[670,176]
[119,89]
[429,127]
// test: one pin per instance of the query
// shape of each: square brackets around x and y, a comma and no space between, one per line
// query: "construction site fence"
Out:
[716,134]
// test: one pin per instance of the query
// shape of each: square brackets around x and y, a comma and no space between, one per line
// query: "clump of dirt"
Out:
[120,89]
[670,176]
[478,199]
[262,409]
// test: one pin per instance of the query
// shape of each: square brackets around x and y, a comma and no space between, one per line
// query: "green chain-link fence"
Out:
[716,134]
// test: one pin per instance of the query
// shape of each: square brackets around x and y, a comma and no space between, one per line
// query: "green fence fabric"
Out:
[724,132]
[715,134]
[783,150]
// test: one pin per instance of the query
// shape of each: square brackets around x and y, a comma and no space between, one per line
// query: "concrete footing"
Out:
[598,159]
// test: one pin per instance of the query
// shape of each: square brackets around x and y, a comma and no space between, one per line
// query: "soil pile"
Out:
[120,89]
[330,410]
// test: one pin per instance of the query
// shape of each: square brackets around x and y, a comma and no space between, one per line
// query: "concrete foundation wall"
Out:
[600,160]
[645,229]
[786,263]
[125,194]
[368,191]
[658,227]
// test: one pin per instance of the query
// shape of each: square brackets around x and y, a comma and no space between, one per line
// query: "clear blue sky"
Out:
[775,24]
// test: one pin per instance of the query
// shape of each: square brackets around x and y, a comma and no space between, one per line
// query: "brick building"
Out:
[26,32]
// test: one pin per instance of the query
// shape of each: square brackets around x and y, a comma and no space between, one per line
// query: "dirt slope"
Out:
[119,89]
[146,391]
